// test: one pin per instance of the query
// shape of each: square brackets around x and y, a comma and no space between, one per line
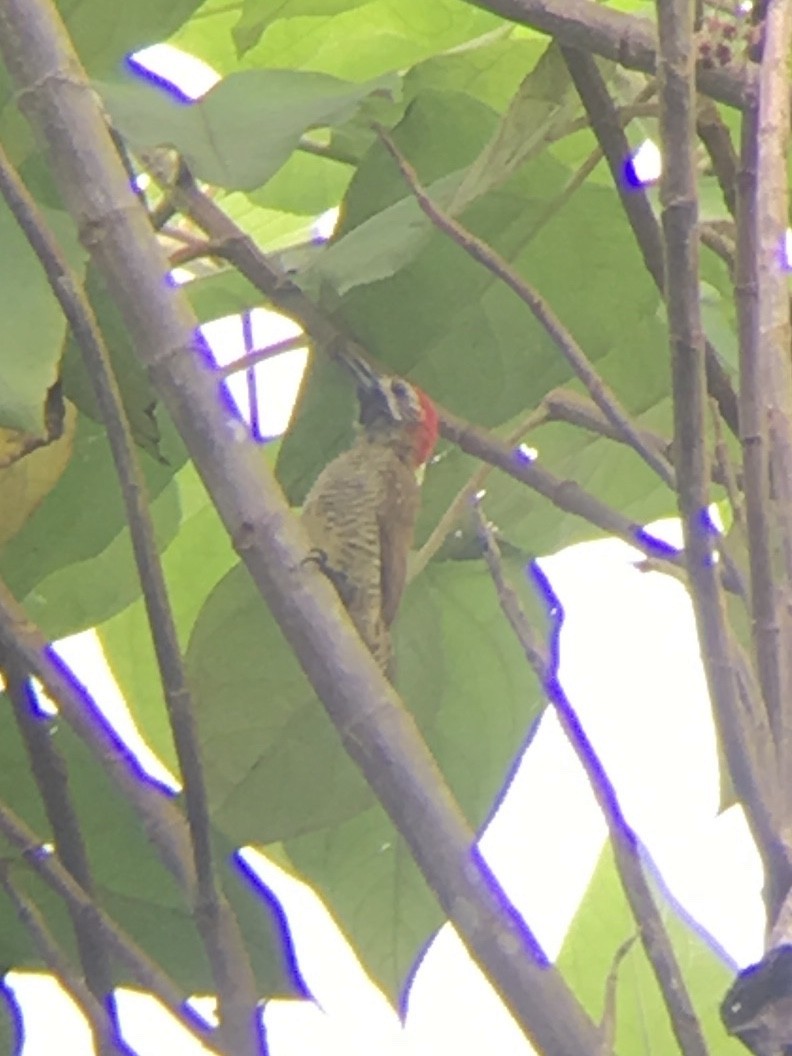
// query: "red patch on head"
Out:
[428,430]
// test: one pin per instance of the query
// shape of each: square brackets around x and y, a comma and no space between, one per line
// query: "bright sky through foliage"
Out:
[630,666]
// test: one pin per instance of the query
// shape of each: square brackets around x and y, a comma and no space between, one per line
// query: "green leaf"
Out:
[105,34]
[131,883]
[136,391]
[602,924]
[245,128]
[256,15]
[489,68]
[33,324]
[276,770]
[72,562]
[542,109]
[356,43]
[543,106]
[197,557]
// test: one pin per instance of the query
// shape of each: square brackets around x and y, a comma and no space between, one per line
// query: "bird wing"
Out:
[396,519]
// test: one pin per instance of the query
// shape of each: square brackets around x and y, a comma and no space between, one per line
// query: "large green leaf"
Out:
[602,924]
[256,15]
[276,770]
[104,34]
[198,556]
[132,884]
[245,128]
[138,396]
[360,42]
[72,562]
[476,347]
[33,324]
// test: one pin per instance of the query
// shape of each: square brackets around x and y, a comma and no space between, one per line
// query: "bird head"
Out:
[394,409]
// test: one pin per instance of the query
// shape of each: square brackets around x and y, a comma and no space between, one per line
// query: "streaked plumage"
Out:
[360,513]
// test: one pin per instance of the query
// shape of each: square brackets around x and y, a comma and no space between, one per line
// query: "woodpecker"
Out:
[361,511]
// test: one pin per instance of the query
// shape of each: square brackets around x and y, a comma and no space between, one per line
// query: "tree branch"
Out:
[217,926]
[146,974]
[623,38]
[240,250]
[773,322]
[102,1022]
[714,134]
[754,385]
[50,774]
[729,690]
[626,848]
[163,823]
[604,119]
[576,358]
[376,730]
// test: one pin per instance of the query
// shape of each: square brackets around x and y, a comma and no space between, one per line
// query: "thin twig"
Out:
[105,1030]
[231,968]
[197,249]
[609,1009]
[725,473]
[563,405]
[720,244]
[606,400]
[240,250]
[461,500]
[144,971]
[262,355]
[715,135]
[626,847]
[52,780]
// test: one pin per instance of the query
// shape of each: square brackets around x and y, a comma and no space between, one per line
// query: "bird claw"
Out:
[340,580]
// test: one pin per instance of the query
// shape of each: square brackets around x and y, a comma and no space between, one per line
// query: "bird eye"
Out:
[400,389]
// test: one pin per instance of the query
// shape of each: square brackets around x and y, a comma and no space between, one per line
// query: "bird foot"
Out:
[339,579]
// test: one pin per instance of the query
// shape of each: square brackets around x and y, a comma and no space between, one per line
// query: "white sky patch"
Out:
[324,226]
[277,380]
[191,75]
[647,162]
[788,250]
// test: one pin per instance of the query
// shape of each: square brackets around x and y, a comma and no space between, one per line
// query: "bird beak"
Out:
[363,372]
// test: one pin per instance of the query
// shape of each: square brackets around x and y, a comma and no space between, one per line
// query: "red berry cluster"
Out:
[727,38]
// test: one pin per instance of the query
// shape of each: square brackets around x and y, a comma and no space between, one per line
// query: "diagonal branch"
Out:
[240,250]
[626,847]
[217,926]
[49,772]
[146,974]
[163,823]
[106,1036]
[378,733]
[576,358]
[607,127]
[715,135]
[612,34]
